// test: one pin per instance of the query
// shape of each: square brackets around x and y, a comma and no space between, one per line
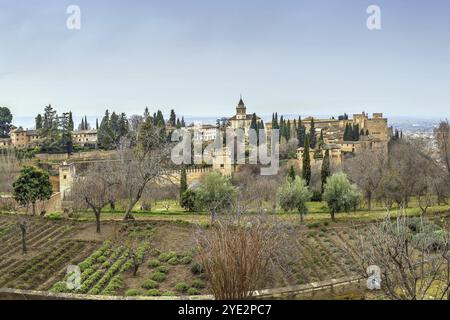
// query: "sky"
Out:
[308,57]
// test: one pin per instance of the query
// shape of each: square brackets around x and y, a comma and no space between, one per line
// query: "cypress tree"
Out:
[291,173]
[306,171]
[312,134]
[183,182]
[71,126]
[325,171]
[38,121]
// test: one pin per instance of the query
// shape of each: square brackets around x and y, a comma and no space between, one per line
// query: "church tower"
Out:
[241,110]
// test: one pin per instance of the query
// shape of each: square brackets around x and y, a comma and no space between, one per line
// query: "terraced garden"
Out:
[165,250]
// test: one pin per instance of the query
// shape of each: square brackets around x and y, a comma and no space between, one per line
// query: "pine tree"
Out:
[291,173]
[325,171]
[306,171]
[312,135]
[183,182]
[104,132]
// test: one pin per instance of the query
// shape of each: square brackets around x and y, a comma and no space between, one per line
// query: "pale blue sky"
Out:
[196,56]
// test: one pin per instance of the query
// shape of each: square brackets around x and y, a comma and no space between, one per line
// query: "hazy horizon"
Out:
[295,57]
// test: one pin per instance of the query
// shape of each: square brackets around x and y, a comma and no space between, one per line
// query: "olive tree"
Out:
[340,194]
[293,195]
[216,193]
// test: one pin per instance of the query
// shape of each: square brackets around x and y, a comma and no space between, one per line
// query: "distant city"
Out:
[409,125]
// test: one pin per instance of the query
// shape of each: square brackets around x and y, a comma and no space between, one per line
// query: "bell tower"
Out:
[241,110]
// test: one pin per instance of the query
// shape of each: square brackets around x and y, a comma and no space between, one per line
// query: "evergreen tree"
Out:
[146,113]
[66,124]
[86,124]
[5,122]
[183,182]
[96,124]
[82,126]
[347,133]
[104,134]
[291,173]
[178,123]
[326,170]
[321,141]
[301,133]
[183,124]
[38,122]
[173,118]
[312,135]
[123,125]
[159,121]
[355,133]
[306,171]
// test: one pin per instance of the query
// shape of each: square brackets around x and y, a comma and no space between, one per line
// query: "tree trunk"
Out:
[136,268]
[213,216]
[128,214]
[24,242]
[369,201]
[33,205]
[333,218]
[97,221]
[301,218]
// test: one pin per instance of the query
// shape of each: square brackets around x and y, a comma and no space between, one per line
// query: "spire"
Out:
[241,103]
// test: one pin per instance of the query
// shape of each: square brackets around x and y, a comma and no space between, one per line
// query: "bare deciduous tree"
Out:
[238,256]
[413,255]
[442,135]
[366,170]
[9,169]
[95,189]
[147,162]
[22,223]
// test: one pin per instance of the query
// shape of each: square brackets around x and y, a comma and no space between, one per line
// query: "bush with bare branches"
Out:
[237,258]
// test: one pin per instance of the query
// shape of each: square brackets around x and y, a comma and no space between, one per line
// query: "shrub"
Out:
[158,276]
[173,261]
[153,293]
[193,292]
[188,200]
[54,216]
[132,293]
[181,287]
[102,259]
[199,284]
[196,268]
[154,263]
[59,287]
[150,284]
[162,269]
[168,294]
[166,256]
[155,252]
[106,264]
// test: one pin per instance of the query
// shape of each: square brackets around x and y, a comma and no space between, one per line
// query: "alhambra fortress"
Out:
[375,135]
